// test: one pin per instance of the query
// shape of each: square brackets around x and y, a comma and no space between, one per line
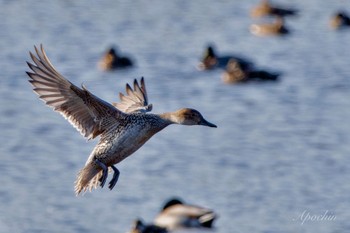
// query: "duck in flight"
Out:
[123,127]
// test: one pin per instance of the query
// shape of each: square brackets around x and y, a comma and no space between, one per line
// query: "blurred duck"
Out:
[176,215]
[234,74]
[265,8]
[211,60]
[112,60]
[275,28]
[340,20]
[140,227]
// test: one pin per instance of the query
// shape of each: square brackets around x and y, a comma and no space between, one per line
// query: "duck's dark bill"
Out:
[207,123]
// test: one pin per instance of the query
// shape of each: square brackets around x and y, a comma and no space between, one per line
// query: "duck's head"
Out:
[188,116]
[209,59]
[111,51]
[209,52]
[138,226]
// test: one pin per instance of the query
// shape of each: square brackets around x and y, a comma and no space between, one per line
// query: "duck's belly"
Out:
[117,149]
[125,148]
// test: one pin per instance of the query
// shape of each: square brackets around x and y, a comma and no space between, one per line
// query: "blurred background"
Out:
[280,149]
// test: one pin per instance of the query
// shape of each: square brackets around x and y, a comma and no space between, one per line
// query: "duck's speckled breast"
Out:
[126,138]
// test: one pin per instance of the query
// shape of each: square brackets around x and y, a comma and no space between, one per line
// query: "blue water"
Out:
[281,150]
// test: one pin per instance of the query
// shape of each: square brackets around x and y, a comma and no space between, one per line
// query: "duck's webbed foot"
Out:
[115,177]
[104,172]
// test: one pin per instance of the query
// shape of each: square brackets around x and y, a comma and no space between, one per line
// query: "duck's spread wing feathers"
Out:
[89,114]
[135,100]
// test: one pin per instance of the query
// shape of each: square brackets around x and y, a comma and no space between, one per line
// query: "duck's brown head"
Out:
[188,116]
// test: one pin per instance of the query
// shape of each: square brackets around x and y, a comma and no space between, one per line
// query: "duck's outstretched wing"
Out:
[135,99]
[89,114]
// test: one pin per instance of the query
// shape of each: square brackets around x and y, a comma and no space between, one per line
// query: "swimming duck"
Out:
[123,127]
[276,28]
[211,60]
[340,20]
[140,227]
[112,60]
[175,215]
[265,8]
[235,74]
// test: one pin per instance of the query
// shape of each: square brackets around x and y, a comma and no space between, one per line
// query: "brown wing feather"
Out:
[89,114]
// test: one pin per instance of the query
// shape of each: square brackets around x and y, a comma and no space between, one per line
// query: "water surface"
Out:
[280,149]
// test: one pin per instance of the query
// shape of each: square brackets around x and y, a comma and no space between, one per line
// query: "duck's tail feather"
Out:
[88,178]
[207,219]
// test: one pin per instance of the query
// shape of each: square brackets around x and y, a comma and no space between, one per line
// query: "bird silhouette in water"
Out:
[111,60]
[235,74]
[210,60]
[265,8]
[178,215]
[276,28]
[123,127]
